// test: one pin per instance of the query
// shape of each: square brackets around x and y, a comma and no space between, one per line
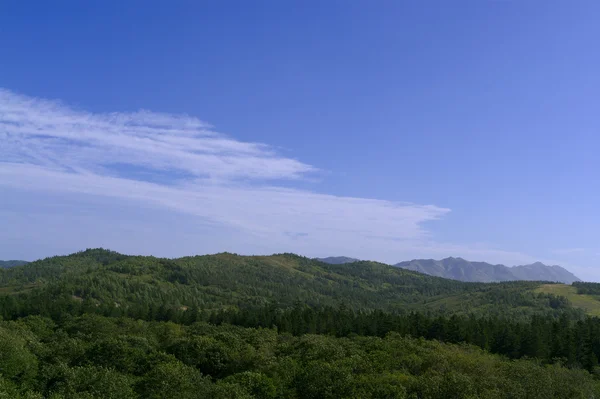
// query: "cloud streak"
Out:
[48,147]
[49,134]
[259,210]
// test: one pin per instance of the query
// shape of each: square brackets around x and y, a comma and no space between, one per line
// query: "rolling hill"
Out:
[98,324]
[107,281]
[464,270]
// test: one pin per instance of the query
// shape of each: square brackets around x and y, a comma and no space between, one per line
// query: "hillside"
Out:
[464,270]
[579,295]
[99,324]
[11,263]
[104,280]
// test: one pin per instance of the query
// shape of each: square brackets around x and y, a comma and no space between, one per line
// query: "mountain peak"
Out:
[538,264]
[460,269]
[452,258]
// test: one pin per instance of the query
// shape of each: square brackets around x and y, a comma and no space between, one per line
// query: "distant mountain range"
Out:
[451,268]
[463,270]
[11,263]
[337,260]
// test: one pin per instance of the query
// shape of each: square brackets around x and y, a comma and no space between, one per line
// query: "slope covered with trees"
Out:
[99,324]
[101,280]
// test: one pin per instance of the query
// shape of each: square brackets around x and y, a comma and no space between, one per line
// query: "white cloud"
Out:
[259,210]
[49,134]
[48,147]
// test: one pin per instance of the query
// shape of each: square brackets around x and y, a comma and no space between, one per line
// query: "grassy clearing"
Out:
[588,303]
[17,289]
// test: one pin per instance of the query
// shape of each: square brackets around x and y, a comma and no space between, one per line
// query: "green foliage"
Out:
[17,363]
[93,382]
[539,337]
[174,379]
[273,365]
[587,288]
[256,385]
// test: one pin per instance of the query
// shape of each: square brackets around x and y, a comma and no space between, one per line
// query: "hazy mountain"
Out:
[464,270]
[337,260]
[11,263]
[539,271]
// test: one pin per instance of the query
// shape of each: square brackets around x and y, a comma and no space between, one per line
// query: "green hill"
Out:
[99,324]
[99,278]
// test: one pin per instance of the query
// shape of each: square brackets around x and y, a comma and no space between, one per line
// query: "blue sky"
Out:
[383,130]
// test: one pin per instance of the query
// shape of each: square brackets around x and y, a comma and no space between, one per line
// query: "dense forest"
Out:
[98,324]
[94,356]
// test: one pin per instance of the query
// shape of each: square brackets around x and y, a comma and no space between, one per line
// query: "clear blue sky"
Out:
[384,130]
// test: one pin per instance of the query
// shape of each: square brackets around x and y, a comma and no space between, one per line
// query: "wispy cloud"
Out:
[258,210]
[52,135]
[49,147]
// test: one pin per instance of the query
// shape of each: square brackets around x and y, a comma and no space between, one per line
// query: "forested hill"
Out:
[99,324]
[11,263]
[464,270]
[109,282]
